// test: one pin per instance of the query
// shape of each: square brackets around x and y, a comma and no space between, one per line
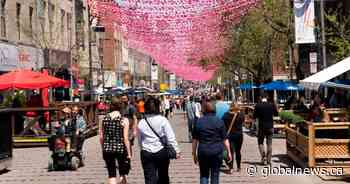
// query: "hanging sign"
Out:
[304,11]
[154,72]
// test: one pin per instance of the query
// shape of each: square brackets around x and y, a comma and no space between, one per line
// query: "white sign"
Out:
[110,79]
[313,62]
[304,11]
[313,68]
[313,57]
[8,57]
[236,77]
[154,72]
[172,78]
[30,58]
[244,76]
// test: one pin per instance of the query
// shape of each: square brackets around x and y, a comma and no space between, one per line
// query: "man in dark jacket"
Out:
[264,112]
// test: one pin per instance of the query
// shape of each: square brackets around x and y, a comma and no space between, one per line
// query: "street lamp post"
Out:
[324,52]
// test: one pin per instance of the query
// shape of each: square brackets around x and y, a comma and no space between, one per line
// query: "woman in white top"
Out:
[155,162]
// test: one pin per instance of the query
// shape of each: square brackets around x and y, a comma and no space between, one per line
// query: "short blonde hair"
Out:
[234,107]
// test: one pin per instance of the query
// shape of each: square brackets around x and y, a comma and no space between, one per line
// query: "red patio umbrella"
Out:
[27,79]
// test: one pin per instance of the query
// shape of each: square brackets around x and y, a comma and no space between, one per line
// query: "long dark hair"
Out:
[152,106]
[116,104]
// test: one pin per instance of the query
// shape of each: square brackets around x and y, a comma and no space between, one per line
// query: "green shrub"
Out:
[290,117]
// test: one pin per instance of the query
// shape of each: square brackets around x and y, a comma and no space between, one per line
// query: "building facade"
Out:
[52,34]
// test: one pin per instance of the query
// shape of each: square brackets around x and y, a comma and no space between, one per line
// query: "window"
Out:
[41,15]
[63,13]
[3,18]
[69,29]
[18,20]
[51,15]
[31,10]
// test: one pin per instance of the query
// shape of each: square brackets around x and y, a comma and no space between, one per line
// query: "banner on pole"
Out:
[304,11]
[154,72]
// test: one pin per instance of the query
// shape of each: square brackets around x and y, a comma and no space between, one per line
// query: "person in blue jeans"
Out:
[208,143]
[191,116]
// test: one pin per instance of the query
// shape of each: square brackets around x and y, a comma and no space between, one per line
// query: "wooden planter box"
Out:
[15,115]
[309,145]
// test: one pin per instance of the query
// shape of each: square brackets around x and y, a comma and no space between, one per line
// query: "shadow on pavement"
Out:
[252,163]
[284,160]
[4,171]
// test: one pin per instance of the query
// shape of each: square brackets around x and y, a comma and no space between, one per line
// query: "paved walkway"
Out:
[30,165]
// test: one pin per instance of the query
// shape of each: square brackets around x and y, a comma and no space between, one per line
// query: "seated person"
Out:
[80,127]
[315,114]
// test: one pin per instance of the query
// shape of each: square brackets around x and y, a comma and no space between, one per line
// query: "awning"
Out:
[27,79]
[336,85]
[314,81]
[281,86]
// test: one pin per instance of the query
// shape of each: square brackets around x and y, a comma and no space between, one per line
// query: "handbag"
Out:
[228,132]
[170,150]
[232,123]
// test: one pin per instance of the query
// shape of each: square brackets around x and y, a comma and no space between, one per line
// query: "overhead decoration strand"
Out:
[176,33]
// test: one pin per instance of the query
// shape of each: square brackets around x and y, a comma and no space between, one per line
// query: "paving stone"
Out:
[30,165]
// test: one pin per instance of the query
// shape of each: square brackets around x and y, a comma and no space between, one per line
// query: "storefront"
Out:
[8,57]
[30,58]
[14,57]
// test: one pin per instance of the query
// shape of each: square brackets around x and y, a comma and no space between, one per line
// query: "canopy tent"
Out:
[315,81]
[345,84]
[27,79]
[247,86]
[117,91]
[336,85]
[174,92]
[281,86]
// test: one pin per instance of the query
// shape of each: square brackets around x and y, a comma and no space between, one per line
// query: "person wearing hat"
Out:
[233,120]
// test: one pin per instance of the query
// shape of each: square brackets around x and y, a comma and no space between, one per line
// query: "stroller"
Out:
[66,150]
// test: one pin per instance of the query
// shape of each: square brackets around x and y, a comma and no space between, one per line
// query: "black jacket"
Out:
[264,112]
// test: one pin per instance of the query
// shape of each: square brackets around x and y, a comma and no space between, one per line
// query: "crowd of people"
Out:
[146,120]
[215,129]
[217,133]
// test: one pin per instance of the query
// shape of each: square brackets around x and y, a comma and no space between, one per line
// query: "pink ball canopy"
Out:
[176,33]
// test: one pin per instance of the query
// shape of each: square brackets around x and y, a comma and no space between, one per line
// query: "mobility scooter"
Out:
[65,148]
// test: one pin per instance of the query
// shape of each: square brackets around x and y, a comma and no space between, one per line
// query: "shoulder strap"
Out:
[151,127]
[232,123]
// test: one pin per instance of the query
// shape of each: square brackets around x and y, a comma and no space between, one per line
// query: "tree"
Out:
[253,41]
[338,33]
